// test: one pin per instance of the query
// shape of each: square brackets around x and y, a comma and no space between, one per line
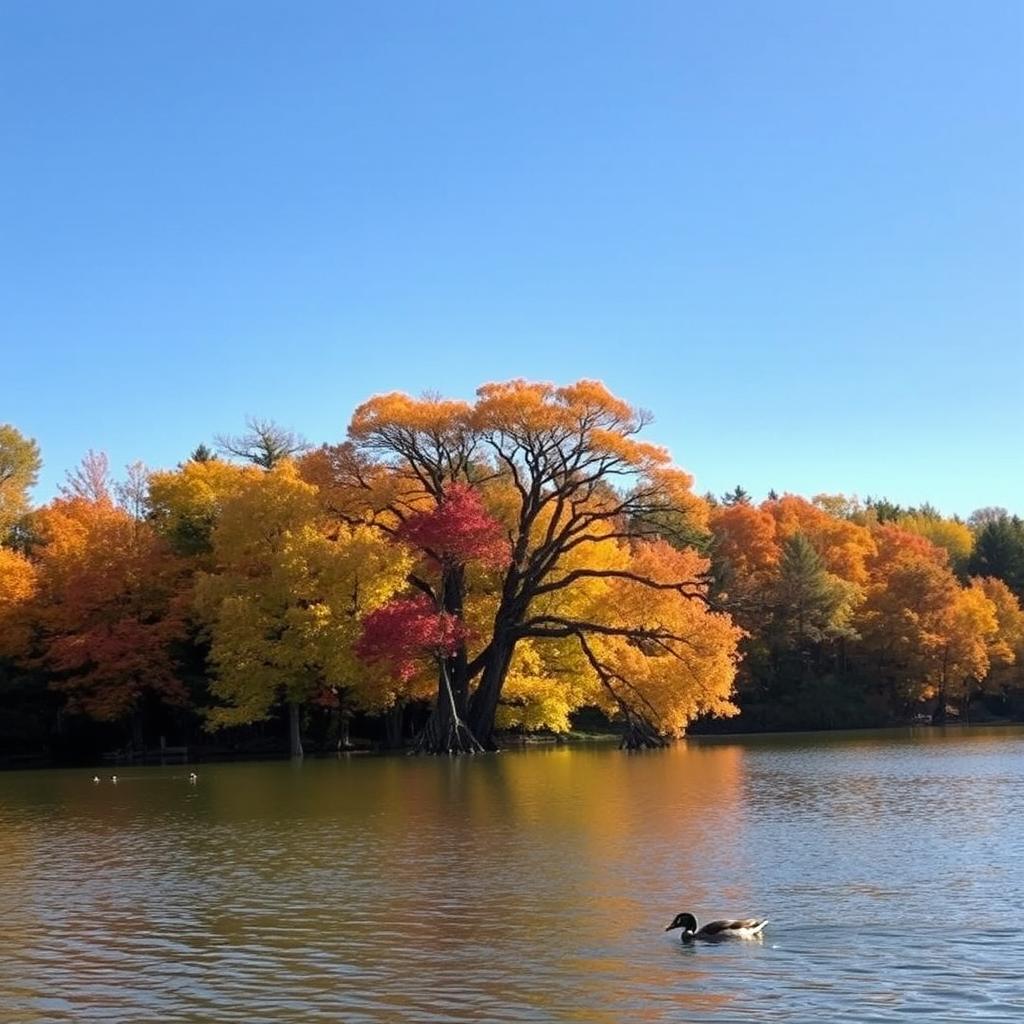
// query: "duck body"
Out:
[713,931]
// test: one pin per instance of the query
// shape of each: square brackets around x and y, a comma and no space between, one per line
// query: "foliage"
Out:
[999,550]
[505,562]
[19,467]
[286,594]
[108,608]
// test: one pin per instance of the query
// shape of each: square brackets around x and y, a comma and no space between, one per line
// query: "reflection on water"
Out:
[525,887]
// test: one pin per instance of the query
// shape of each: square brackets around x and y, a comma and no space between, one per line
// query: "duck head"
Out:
[685,921]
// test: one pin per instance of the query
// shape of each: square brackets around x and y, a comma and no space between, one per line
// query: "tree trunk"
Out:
[294,729]
[138,742]
[447,730]
[394,719]
[484,705]
[344,729]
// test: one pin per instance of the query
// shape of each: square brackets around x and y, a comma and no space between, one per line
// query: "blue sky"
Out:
[794,231]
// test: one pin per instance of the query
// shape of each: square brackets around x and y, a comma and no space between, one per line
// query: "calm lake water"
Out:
[528,886]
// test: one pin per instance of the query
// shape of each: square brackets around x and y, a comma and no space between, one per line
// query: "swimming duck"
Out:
[95,778]
[193,778]
[745,928]
[113,778]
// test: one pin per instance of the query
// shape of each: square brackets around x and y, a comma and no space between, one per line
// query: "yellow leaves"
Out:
[539,693]
[187,502]
[954,537]
[969,629]
[1009,614]
[288,593]
[685,666]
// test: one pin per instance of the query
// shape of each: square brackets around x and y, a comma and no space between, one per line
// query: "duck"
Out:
[113,778]
[95,778]
[744,928]
[193,778]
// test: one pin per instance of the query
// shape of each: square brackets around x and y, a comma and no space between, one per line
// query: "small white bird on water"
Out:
[193,778]
[744,928]
[113,778]
[95,778]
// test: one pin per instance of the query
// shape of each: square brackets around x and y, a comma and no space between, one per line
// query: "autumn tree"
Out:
[1007,648]
[285,595]
[185,504]
[17,587]
[107,611]
[910,602]
[958,657]
[19,468]
[564,471]
[745,558]
[953,536]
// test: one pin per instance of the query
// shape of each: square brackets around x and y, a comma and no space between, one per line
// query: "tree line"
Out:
[453,571]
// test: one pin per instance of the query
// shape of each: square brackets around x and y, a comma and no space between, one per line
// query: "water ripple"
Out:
[526,888]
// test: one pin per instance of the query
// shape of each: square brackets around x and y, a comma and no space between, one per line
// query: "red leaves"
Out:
[404,631]
[458,531]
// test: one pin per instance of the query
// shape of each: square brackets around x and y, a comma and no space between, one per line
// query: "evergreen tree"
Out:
[999,552]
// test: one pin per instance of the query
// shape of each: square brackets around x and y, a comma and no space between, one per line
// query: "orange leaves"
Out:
[399,417]
[844,545]
[746,543]
[17,587]
[933,634]
[108,607]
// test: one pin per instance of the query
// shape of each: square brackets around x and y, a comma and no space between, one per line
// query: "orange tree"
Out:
[562,469]
[108,610]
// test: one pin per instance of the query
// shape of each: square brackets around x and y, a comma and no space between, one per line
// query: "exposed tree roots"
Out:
[451,737]
[641,735]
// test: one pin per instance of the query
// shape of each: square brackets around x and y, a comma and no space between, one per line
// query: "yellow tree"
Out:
[285,597]
[954,537]
[186,503]
[966,635]
[1007,650]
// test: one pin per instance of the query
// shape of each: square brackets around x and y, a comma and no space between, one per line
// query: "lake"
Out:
[526,886]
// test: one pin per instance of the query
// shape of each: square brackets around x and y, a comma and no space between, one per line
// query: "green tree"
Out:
[999,552]
[812,605]
[19,468]
[737,496]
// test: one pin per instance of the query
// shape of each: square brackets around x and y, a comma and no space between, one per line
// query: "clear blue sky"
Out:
[793,230]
